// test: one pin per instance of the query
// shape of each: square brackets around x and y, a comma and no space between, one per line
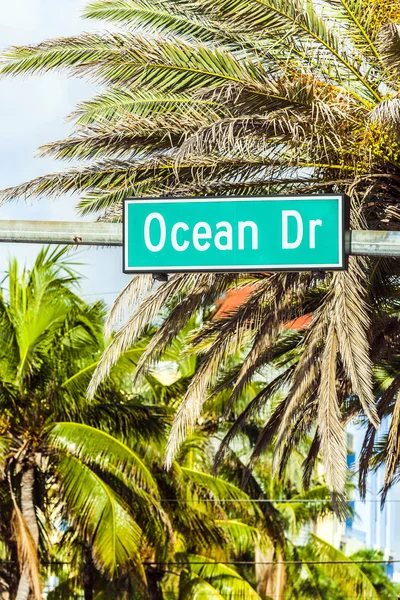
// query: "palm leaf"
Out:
[358,19]
[119,59]
[352,326]
[27,551]
[131,330]
[221,490]
[243,538]
[352,578]
[389,45]
[307,25]
[116,102]
[223,578]
[95,447]
[147,16]
[115,537]
[330,426]
[192,587]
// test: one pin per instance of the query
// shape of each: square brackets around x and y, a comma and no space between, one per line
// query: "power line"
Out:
[277,562]
[280,500]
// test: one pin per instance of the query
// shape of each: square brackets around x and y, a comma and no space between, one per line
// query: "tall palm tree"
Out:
[245,97]
[57,455]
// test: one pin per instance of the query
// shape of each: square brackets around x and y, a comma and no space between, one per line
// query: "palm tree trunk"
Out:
[265,573]
[154,577]
[88,574]
[280,578]
[28,511]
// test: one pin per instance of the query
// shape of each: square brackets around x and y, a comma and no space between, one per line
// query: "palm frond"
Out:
[392,449]
[101,516]
[117,102]
[352,326]
[242,537]
[191,586]
[27,551]
[131,330]
[330,426]
[114,58]
[389,45]
[311,31]
[95,447]
[352,578]
[153,17]
[358,19]
[205,290]
[132,294]
[254,405]
[221,489]
[223,578]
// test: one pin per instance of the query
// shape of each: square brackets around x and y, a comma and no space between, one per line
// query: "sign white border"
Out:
[340,265]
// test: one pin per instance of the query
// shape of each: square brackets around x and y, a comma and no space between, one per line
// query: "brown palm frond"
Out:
[190,409]
[133,293]
[330,426]
[266,437]
[311,460]
[282,307]
[385,405]
[231,334]
[206,288]
[352,325]
[298,433]
[389,45]
[141,318]
[27,551]
[254,406]
[393,448]
[306,375]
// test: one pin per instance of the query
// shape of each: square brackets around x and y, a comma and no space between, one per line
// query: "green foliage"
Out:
[375,572]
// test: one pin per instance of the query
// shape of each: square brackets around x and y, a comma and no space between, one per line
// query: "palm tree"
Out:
[243,97]
[243,526]
[58,457]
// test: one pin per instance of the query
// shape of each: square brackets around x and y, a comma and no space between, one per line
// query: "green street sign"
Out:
[234,234]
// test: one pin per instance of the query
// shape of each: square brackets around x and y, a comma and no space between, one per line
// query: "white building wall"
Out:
[380,527]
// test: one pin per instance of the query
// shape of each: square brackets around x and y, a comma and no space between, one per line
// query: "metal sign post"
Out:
[366,243]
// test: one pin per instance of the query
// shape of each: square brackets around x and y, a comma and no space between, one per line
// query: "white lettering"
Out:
[313,225]
[163,232]
[254,234]
[285,216]
[198,235]
[227,235]
[174,235]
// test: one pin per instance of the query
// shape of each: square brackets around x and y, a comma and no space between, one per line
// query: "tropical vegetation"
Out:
[84,497]
[247,97]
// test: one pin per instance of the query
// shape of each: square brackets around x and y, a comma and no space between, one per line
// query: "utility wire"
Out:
[277,562]
[243,562]
[280,500]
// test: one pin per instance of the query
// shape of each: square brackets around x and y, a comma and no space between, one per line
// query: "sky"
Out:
[33,111]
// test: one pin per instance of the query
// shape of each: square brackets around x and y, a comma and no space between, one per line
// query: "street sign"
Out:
[234,234]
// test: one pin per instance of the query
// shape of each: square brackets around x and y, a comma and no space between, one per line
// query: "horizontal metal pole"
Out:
[367,243]
[373,243]
[59,232]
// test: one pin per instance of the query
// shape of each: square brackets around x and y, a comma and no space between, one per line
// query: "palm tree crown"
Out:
[246,97]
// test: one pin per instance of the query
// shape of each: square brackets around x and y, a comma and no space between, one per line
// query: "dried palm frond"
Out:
[133,293]
[27,551]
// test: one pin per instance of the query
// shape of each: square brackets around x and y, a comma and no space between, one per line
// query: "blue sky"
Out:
[32,112]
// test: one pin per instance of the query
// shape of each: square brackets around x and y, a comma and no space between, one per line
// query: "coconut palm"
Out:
[245,97]
[58,458]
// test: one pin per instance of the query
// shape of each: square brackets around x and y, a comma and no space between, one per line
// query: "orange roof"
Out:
[236,296]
